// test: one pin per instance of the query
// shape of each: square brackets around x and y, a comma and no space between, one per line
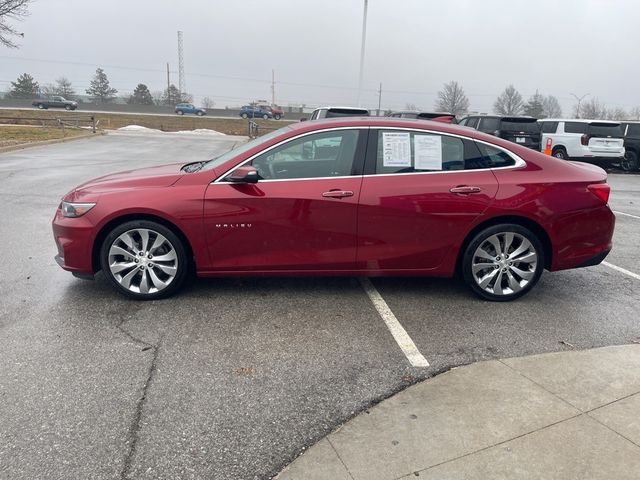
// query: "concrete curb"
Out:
[572,412]
[23,146]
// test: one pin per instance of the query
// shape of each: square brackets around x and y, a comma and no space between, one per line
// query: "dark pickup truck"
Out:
[55,102]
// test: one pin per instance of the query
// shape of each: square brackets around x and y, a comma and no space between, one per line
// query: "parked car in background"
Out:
[594,141]
[183,108]
[336,112]
[444,117]
[254,111]
[518,129]
[631,132]
[55,102]
[275,110]
[349,196]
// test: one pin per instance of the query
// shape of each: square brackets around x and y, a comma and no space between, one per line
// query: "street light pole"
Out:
[579,99]
[364,36]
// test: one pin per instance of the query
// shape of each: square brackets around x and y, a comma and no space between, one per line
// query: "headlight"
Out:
[74,210]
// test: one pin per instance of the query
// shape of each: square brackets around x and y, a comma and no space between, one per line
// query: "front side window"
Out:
[325,154]
[414,152]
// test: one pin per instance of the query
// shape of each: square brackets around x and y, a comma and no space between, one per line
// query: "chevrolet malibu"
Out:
[349,196]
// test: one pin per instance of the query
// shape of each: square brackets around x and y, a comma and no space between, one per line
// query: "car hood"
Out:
[161,176]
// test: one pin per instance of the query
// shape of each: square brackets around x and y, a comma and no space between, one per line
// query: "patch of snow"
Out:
[141,129]
[137,128]
[200,131]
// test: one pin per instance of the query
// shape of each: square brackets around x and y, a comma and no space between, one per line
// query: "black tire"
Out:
[199,113]
[560,152]
[68,107]
[40,106]
[173,243]
[244,115]
[180,112]
[630,162]
[277,117]
[505,268]
[265,116]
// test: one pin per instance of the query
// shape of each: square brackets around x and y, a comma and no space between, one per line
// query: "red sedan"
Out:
[351,196]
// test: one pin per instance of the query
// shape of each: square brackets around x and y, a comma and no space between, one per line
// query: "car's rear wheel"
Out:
[265,116]
[560,153]
[503,262]
[630,161]
[144,260]
[40,106]
[244,115]
[180,112]
[277,117]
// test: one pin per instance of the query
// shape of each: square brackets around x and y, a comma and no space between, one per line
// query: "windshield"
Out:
[245,147]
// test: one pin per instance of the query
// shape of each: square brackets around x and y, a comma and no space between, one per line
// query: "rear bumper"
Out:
[596,260]
[600,160]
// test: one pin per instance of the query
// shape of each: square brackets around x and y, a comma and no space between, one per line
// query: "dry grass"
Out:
[11,135]
[167,123]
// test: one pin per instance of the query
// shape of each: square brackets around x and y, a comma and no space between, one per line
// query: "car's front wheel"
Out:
[277,116]
[244,115]
[560,153]
[265,116]
[503,262]
[144,260]
[40,106]
[199,113]
[68,107]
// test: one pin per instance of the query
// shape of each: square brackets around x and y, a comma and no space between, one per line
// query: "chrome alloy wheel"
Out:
[504,263]
[143,261]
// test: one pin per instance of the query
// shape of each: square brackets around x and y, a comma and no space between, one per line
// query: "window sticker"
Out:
[396,149]
[428,152]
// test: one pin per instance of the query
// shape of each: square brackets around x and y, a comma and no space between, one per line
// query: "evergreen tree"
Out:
[535,106]
[100,90]
[24,87]
[141,96]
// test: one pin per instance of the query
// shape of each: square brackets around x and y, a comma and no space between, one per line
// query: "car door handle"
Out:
[465,189]
[338,193]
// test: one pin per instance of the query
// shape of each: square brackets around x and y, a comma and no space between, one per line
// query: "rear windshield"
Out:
[346,112]
[528,126]
[433,115]
[605,130]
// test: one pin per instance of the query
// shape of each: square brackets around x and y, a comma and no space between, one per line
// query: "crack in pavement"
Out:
[134,427]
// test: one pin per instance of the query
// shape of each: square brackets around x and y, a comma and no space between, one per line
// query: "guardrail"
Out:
[77,121]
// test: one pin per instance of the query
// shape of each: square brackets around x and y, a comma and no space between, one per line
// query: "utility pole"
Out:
[379,98]
[579,99]
[364,37]
[273,87]
[168,84]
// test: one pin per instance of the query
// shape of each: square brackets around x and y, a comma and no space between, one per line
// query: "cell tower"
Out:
[181,84]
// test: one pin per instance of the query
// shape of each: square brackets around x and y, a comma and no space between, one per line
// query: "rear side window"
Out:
[549,127]
[605,130]
[489,125]
[472,122]
[575,127]
[634,130]
[415,152]
[493,158]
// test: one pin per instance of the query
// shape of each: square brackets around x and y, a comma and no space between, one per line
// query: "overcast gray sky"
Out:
[413,46]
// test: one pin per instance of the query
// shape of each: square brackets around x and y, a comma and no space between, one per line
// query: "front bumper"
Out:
[74,240]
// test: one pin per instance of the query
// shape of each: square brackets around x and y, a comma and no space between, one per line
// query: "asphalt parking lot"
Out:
[233,378]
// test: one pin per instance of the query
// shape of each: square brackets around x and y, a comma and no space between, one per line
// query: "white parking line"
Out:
[399,333]
[622,270]
[626,214]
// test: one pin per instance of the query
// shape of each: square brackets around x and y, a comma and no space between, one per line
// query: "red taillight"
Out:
[584,139]
[600,190]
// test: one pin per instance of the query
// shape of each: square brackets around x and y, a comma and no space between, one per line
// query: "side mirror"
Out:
[304,119]
[244,174]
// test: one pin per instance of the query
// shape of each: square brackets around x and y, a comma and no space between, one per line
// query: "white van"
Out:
[593,141]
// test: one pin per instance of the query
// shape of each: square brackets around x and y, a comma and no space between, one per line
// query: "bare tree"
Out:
[634,113]
[592,109]
[551,107]
[410,106]
[11,10]
[452,99]
[509,102]
[617,113]
[62,87]
[208,102]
